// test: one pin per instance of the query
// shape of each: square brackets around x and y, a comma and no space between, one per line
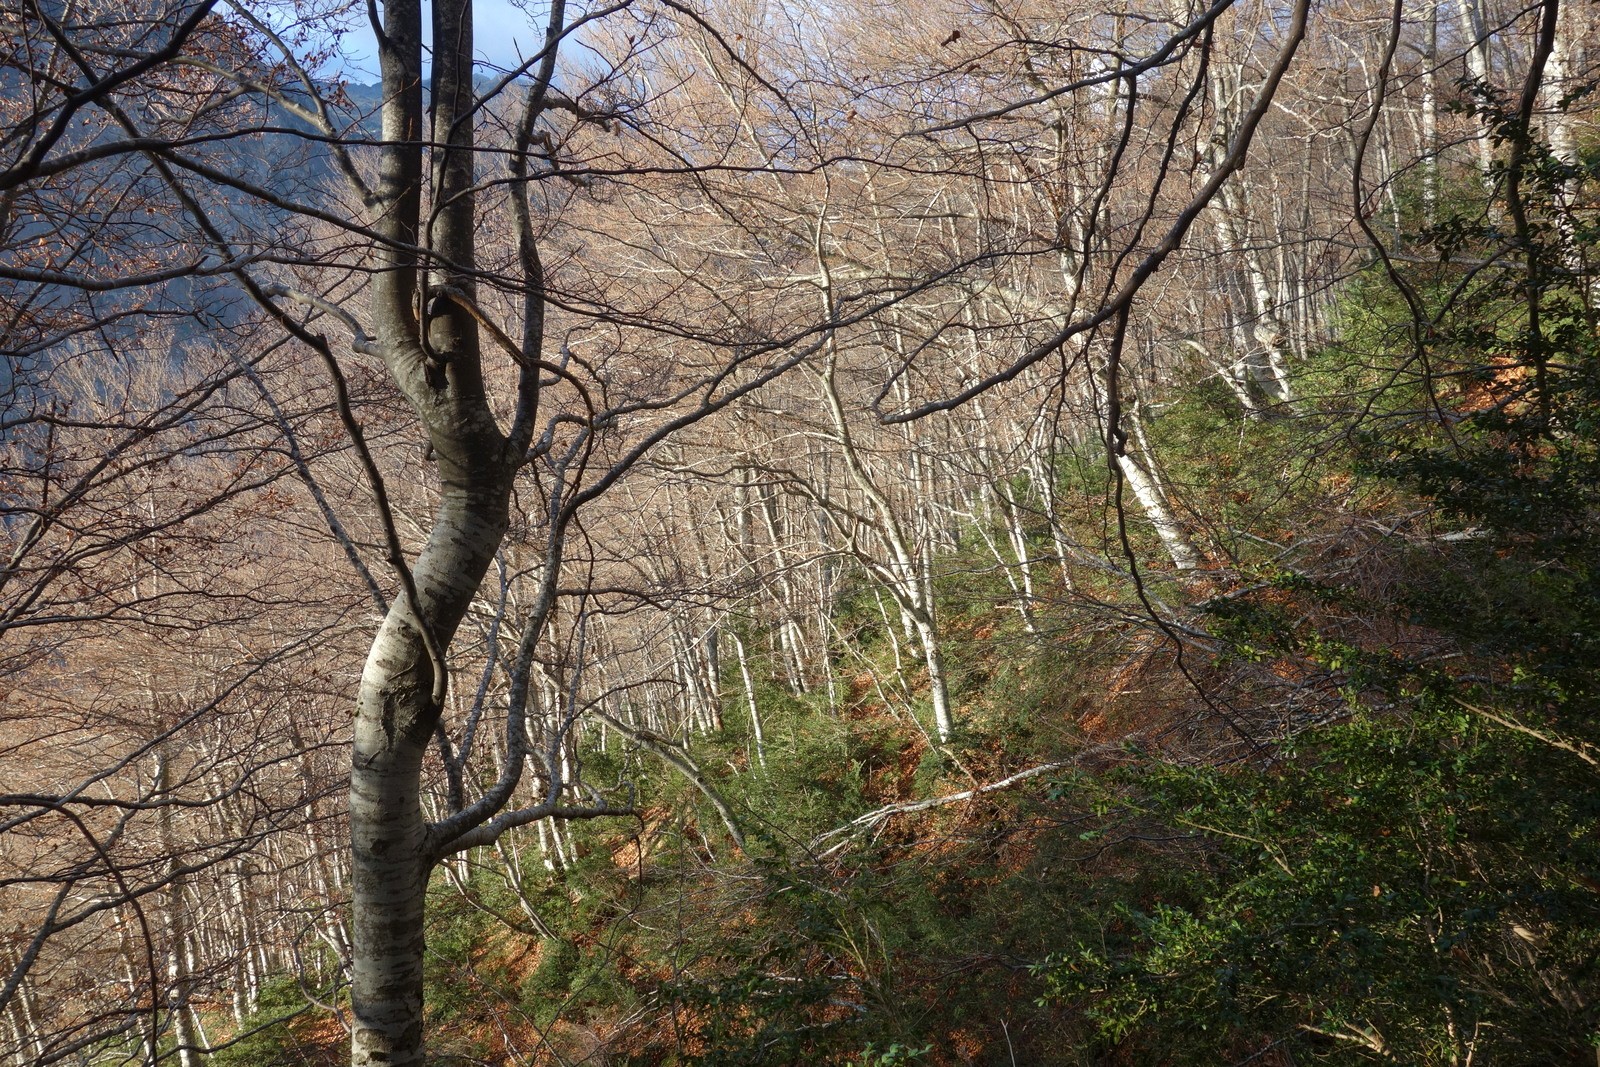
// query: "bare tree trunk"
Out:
[1430,114]
[713,667]
[678,758]
[1573,25]
[178,931]
[510,868]
[247,976]
[905,576]
[436,362]
[1263,342]
[1014,567]
[1154,506]
[1152,499]
[1480,68]
[22,1016]
[750,698]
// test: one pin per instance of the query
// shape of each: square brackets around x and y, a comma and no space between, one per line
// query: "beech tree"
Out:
[436,306]
[439,351]
[460,334]
[463,330]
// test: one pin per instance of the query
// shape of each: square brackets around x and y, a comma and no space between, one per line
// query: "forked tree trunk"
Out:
[435,359]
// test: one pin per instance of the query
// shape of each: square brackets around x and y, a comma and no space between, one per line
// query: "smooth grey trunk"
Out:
[713,669]
[938,681]
[550,851]
[1262,345]
[1017,568]
[431,349]
[1041,474]
[786,639]
[22,1013]
[889,632]
[247,976]
[677,756]
[1019,548]
[176,926]
[391,850]
[510,869]
[1566,61]
[905,577]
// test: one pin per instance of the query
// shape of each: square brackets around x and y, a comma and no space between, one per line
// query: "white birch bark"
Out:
[750,699]
[1154,505]
[1430,114]
[1574,23]
[1263,340]
[1151,496]
[177,932]
[905,576]
[1480,68]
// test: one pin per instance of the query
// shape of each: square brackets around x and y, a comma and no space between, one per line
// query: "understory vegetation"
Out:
[847,534]
[1332,803]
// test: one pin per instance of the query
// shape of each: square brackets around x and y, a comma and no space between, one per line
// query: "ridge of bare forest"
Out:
[861,534]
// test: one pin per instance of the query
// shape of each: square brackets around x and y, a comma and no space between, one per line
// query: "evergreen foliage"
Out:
[1328,797]
[1415,881]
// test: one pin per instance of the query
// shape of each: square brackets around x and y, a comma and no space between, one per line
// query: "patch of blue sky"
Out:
[505,32]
